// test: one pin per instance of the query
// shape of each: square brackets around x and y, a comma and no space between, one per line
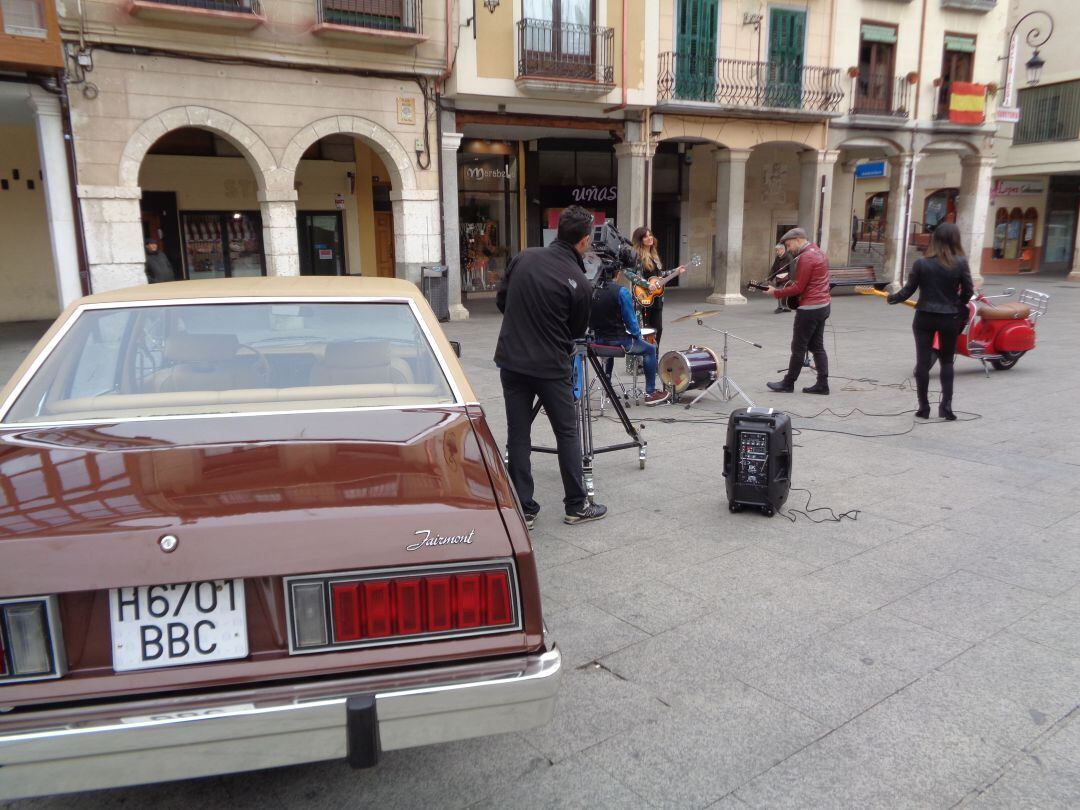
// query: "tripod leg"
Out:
[616,405]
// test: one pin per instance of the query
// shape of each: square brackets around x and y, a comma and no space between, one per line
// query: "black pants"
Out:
[808,333]
[948,327]
[557,398]
[653,317]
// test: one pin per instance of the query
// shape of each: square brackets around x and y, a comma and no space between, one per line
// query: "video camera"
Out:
[609,253]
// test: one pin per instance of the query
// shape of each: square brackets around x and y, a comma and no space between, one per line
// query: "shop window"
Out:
[1001,225]
[1012,233]
[557,167]
[23,18]
[221,244]
[876,207]
[1027,236]
[488,206]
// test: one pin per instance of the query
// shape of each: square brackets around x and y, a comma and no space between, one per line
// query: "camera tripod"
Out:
[585,360]
[725,387]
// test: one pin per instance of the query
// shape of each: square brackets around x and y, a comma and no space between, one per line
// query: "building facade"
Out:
[1035,195]
[915,146]
[294,138]
[40,263]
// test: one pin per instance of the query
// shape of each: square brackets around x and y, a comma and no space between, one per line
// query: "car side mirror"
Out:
[456,346]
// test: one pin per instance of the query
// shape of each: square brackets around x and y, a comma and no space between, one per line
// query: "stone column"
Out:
[450,238]
[416,232]
[973,206]
[839,251]
[56,180]
[812,203]
[633,158]
[895,213]
[727,253]
[112,227]
[280,243]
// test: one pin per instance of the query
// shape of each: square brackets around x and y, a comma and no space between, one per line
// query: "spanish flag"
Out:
[967,103]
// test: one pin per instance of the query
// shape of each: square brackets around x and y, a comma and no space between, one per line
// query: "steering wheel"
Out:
[262,365]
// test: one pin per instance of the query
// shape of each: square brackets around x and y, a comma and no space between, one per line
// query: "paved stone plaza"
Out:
[924,655]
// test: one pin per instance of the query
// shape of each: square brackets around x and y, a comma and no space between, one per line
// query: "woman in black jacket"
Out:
[943,280]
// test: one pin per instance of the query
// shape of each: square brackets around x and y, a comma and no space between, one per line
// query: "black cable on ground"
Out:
[792,514]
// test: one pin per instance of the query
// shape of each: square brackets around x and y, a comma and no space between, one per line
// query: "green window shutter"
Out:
[878,33]
[959,43]
[695,50]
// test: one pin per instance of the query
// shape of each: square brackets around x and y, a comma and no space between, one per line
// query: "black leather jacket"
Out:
[943,290]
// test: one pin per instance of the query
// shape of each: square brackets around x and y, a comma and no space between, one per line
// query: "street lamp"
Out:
[1035,39]
[1034,67]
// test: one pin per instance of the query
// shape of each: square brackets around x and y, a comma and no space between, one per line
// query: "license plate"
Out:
[171,625]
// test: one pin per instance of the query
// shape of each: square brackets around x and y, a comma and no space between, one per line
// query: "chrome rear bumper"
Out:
[179,738]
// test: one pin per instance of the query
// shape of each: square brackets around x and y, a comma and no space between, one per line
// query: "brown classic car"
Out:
[254,522]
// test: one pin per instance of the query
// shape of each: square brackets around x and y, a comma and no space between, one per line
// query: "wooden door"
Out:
[384,244]
[787,45]
[695,50]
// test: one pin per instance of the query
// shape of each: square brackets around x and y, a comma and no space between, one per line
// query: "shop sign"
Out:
[865,171]
[325,255]
[1014,188]
[483,173]
[587,194]
[1007,115]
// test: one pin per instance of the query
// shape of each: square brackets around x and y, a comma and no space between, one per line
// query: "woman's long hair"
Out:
[650,259]
[945,244]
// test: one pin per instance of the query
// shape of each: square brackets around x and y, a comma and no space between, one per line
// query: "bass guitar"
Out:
[868,290]
[792,301]
[646,295]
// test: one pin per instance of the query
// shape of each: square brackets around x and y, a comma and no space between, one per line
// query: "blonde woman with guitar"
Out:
[650,279]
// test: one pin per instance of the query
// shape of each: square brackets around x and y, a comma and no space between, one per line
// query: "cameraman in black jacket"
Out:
[544,298]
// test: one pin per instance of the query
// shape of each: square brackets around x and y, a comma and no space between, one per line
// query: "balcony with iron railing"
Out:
[382,21]
[749,85]
[1048,113]
[567,56]
[881,95]
[231,14]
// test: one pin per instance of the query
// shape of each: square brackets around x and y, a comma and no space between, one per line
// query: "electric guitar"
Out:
[792,301]
[868,290]
[646,295]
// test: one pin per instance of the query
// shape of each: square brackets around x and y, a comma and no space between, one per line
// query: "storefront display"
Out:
[222,244]
[488,202]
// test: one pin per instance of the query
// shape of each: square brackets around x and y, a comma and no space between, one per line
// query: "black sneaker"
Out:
[530,521]
[816,388]
[590,511]
[782,387]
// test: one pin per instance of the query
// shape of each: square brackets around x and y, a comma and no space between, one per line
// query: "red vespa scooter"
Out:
[999,334]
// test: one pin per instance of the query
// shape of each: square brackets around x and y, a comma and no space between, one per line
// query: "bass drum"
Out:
[695,367]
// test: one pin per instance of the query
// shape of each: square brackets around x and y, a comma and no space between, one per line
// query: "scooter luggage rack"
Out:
[584,359]
[1036,300]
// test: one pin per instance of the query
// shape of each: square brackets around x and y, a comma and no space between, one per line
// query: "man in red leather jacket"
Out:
[815,303]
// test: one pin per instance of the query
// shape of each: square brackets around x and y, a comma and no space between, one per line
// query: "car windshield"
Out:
[212,358]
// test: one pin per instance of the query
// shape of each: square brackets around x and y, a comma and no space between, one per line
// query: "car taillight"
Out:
[401,605]
[30,646]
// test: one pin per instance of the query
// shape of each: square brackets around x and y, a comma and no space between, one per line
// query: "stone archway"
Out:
[416,210]
[111,214]
[238,133]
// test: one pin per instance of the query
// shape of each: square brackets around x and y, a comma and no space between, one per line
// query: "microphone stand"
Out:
[726,388]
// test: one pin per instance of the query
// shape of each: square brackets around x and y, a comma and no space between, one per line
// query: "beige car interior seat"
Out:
[354,362]
[209,362]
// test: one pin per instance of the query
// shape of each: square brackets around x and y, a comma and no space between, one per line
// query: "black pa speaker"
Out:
[757,459]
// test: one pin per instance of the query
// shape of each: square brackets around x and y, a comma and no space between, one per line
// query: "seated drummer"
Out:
[615,323]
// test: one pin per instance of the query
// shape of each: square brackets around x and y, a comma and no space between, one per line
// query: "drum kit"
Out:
[698,367]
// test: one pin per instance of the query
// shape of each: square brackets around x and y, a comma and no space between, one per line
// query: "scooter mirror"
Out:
[1008,291]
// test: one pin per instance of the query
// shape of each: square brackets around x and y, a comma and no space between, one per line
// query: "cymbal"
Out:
[701,313]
